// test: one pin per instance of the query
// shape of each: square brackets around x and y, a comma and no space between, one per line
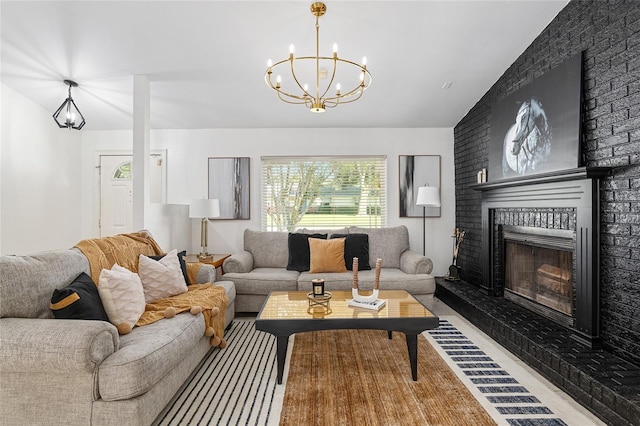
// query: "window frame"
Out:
[334,211]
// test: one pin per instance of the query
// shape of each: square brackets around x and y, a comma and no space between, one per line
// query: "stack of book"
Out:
[376,304]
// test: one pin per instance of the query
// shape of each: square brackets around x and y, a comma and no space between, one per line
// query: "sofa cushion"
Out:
[387,244]
[78,300]
[269,249]
[183,264]
[263,280]
[299,256]
[329,232]
[161,278]
[326,255]
[355,245]
[27,282]
[122,297]
[147,354]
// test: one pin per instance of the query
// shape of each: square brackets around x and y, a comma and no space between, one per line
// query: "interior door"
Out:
[116,191]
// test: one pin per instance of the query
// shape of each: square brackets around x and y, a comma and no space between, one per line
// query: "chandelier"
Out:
[320,68]
[68,113]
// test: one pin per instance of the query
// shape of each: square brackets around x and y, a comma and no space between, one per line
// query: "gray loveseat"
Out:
[261,267]
[79,372]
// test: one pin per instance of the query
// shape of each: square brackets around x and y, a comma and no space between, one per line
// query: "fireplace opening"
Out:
[538,271]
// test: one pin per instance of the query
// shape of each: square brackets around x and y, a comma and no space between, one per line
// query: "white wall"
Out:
[49,183]
[188,150]
[40,179]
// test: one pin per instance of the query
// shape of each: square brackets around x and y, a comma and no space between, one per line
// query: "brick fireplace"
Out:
[546,217]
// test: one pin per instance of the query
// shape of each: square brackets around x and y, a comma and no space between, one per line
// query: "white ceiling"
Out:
[206,59]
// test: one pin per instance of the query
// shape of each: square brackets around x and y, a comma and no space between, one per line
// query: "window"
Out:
[323,192]
[123,172]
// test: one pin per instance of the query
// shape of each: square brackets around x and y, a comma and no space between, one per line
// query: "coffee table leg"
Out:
[283,342]
[390,334]
[412,346]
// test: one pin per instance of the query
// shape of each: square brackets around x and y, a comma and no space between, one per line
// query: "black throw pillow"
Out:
[78,300]
[355,245]
[299,255]
[183,263]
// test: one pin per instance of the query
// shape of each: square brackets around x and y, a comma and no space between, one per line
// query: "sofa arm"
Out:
[200,273]
[30,345]
[206,274]
[412,262]
[238,262]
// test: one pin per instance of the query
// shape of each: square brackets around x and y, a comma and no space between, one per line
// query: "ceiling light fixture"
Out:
[294,92]
[68,111]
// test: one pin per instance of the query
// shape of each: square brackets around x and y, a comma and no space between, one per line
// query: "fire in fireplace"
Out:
[538,270]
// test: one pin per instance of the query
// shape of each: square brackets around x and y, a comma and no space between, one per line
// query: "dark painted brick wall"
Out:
[609,34]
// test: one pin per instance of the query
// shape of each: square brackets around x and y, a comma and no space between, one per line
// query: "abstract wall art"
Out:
[229,183]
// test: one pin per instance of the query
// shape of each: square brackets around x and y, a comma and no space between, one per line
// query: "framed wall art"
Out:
[229,183]
[416,171]
[536,129]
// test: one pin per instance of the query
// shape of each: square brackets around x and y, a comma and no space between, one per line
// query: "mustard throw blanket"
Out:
[212,299]
[125,249]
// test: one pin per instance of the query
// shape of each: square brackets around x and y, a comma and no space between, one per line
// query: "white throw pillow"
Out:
[122,297]
[161,278]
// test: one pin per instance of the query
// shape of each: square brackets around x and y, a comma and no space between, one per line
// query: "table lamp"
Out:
[204,209]
[428,196]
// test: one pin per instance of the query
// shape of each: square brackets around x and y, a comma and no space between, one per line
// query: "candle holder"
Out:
[319,301]
[355,292]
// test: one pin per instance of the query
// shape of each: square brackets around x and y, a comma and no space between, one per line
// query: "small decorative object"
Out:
[319,303]
[454,270]
[482,176]
[318,287]
[368,302]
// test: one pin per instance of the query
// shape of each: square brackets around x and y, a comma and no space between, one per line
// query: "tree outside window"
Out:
[326,192]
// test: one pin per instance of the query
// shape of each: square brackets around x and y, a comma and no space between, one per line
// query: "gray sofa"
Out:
[261,267]
[68,372]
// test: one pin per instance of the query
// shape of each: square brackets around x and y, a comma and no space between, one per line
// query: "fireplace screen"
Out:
[540,274]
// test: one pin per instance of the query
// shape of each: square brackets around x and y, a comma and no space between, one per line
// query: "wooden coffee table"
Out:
[287,312]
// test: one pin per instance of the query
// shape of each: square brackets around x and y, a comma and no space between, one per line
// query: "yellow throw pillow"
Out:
[326,255]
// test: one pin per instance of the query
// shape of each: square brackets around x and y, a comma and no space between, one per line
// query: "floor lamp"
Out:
[428,196]
[204,209]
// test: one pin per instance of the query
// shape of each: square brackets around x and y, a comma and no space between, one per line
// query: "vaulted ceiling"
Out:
[206,60]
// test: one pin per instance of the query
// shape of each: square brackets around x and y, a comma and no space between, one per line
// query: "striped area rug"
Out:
[231,386]
[237,385]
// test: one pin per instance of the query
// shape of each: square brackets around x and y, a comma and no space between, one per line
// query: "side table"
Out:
[214,260]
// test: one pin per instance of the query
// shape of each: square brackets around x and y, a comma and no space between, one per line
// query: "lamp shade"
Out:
[428,196]
[204,208]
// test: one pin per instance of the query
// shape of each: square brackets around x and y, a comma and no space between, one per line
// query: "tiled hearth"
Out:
[602,382]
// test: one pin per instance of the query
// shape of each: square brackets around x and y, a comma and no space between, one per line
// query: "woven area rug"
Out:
[360,377]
